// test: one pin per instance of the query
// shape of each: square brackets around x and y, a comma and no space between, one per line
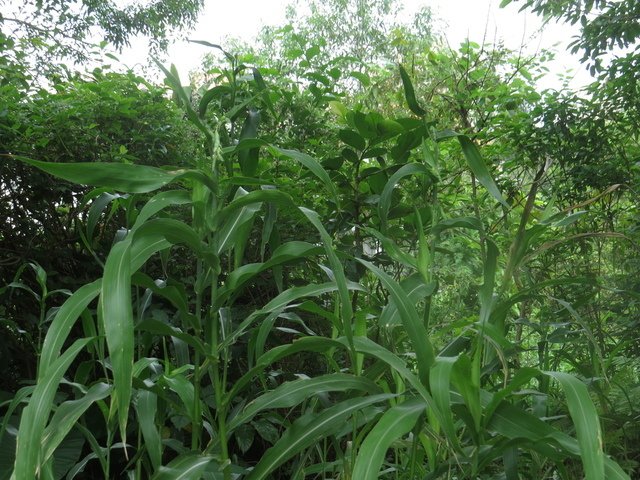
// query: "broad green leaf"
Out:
[515,423]
[365,345]
[285,253]
[479,168]
[292,393]
[281,301]
[146,408]
[416,289]
[308,430]
[173,230]
[96,209]
[409,93]
[440,382]
[256,196]
[176,294]
[36,414]
[21,396]
[66,455]
[123,177]
[353,139]
[184,467]
[7,453]
[116,315]
[462,377]
[521,377]
[395,422]
[159,328]
[410,320]
[66,416]
[209,95]
[185,390]
[393,250]
[183,99]
[585,419]
[486,291]
[159,202]
[63,322]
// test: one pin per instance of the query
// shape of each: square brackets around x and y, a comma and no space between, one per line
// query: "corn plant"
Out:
[183,394]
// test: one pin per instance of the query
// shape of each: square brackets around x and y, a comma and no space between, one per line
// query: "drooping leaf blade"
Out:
[395,422]
[116,314]
[36,414]
[410,94]
[307,431]
[479,168]
[585,419]
[66,416]
[292,393]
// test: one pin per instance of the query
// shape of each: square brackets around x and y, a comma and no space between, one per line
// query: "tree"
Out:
[608,40]
[61,29]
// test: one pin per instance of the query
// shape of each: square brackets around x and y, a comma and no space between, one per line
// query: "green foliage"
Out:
[60,29]
[278,281]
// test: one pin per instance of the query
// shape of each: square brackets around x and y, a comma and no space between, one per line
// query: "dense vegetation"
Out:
[345,251]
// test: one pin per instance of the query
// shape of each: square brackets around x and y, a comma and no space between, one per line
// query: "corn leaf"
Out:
[36,414]
[395,422]
[116,315]
[308,430]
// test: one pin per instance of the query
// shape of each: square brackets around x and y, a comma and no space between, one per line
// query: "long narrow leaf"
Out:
[146,408]
[184,467]
[63,322]
[36,414]
[410,94]
[410,320]
[585,418]
[479,168]
[66,417]
[124,177]
[117,319]
[292,393]
[395,422]
[305,432]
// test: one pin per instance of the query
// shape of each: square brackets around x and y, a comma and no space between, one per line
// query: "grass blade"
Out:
[337,269]
[479,168]
[63,322]
[395,422]
[585,418]
[124,177]
[159,202]
[117,318]
[314,167]
[66,417]
[410,320]
[146,408]
[385,197]
[410,94]
[308,430]
[184,467]
[36,414]
[292,393]
[440,382]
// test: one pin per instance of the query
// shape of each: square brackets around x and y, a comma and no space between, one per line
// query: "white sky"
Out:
[458,19]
